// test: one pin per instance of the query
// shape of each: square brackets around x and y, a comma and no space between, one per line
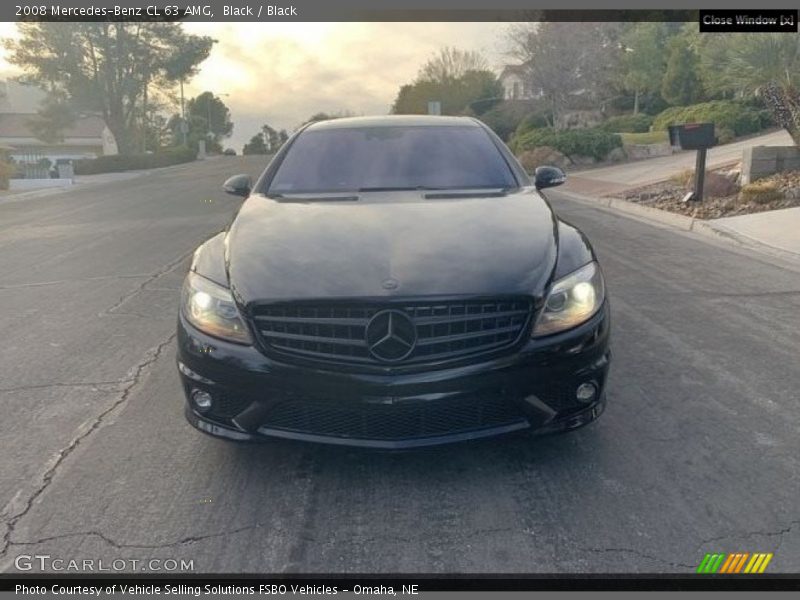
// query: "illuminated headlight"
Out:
[211,309]
[572,301]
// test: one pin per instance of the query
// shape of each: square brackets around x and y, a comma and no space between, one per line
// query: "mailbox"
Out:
[692,136]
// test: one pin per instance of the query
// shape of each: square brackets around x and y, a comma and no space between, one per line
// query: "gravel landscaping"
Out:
[723,196]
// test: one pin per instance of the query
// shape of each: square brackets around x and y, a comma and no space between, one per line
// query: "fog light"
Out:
[586,392]
[202,400]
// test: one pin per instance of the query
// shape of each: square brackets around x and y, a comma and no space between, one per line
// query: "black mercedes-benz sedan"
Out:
[393,282]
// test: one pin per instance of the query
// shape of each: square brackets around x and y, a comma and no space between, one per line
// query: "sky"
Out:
[282,73]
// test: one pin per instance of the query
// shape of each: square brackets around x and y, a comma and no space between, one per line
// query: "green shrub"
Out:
[725,135]
[571,142]
[650,104]
[506,117]
[628,124]
[132,162]
[530,122]
[725,114]
[650,137]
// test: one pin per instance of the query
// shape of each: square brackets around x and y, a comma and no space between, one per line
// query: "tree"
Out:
[272,140]
[459,80]
[256,145]
[643,59]
[568,63]
[765,65]
[743,63]
[450,64]
[214,114]
[681,85]
[53,118]
[108,67]
[197,130]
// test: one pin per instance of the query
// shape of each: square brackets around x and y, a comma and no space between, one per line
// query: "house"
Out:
[516,83]
[87,137]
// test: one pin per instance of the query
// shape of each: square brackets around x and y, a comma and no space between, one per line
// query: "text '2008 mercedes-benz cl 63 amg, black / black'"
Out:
[393,282]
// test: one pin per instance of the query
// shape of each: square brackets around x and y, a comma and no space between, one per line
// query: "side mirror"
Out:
[545,177]
[238,185]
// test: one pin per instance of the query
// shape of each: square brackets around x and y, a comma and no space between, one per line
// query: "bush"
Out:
[645,139]
[543,155]
[628,124]
[504,118]
[725,114]
[650,104]
[725,135]
[684,178]
[132,162]
[571,142]
[760,192]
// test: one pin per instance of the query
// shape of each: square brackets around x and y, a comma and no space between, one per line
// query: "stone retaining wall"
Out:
[762,161]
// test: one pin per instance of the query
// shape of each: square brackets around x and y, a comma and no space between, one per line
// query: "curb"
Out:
[656,216]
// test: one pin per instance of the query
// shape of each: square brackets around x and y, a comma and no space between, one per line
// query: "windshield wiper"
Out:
[410,188]
[315,197]
[467,193]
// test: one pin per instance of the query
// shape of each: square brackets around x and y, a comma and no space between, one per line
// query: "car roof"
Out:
[393,121]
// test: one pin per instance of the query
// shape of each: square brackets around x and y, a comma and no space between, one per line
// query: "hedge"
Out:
[592,142]
[628,124]
[506,117]
[131,162]
[725,114]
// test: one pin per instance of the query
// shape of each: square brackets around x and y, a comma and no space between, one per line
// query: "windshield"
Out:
[392,158]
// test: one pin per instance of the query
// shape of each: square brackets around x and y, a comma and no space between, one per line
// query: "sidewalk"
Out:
[602,181]
[775,228]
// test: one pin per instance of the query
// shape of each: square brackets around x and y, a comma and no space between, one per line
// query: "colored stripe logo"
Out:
[737,562]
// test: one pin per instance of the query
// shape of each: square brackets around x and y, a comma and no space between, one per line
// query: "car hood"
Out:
[391,244]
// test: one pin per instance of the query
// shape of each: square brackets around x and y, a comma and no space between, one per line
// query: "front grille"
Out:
[393,421]
[337,332]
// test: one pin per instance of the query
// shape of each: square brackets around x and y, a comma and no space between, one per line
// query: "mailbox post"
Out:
[694,136]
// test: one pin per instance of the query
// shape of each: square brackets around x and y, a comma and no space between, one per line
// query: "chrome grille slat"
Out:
[314,320]
[463,336]
[449,319]
[315,338]
[335,332]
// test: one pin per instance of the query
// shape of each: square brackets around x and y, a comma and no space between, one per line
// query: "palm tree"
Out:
[762,64]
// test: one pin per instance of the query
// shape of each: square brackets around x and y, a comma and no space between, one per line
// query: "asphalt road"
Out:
[698,450]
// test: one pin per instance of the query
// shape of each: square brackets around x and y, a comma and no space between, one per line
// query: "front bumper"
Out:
[532,389]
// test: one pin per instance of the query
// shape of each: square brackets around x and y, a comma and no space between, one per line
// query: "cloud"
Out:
[282,73]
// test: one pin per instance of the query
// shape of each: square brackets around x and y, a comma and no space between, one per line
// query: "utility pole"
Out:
[184,125]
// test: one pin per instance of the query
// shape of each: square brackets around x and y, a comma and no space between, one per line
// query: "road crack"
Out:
[134,376]
[640,555]
[192,539]
[40,386]
[168,268]
[752,534]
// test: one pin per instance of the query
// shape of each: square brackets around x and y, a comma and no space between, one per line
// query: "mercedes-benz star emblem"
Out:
[391,335]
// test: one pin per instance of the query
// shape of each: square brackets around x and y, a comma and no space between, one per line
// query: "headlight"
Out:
[572,300]
[211,309]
